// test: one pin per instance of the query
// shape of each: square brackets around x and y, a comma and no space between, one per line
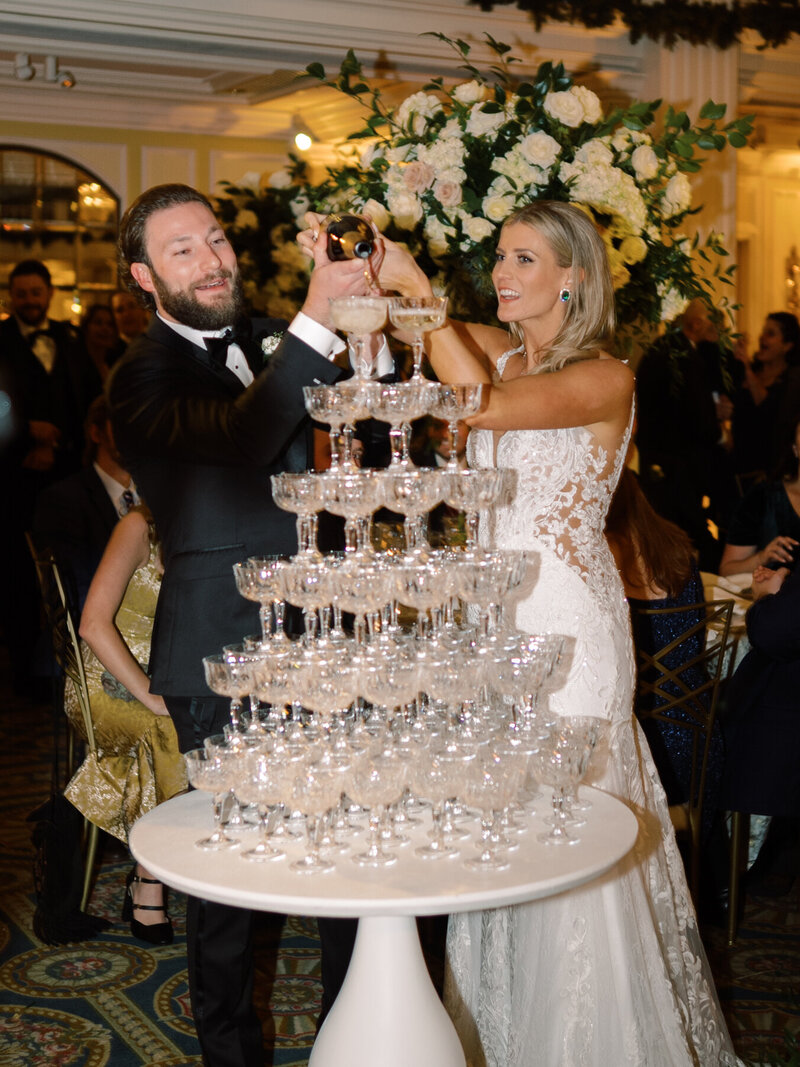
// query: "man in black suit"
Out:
[681,459]
[47,381]
[201,444]
[74,517]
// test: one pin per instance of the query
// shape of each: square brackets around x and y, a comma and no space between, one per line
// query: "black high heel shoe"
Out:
[155,934]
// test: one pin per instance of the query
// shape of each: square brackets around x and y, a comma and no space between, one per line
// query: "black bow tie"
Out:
[217,347]
[35,334]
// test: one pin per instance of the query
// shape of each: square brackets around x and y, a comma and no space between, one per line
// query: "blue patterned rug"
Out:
[115,1001]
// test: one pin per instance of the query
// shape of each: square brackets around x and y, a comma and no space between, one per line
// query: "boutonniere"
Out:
[269,344]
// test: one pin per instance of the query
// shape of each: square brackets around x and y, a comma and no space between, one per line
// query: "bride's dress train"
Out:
[612,973]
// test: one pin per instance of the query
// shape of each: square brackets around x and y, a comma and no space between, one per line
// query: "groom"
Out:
[202,420]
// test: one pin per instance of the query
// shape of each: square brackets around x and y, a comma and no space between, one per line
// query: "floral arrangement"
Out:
[442,171]
[703,22]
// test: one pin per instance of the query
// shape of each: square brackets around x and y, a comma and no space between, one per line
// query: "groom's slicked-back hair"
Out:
[132,245]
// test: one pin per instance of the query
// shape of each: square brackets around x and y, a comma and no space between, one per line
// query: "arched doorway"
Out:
[55,210]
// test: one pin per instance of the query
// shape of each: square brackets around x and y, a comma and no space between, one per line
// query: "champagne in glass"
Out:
[418,315]
[358,317]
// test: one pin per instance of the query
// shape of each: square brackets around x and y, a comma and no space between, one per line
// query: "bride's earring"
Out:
[564,295]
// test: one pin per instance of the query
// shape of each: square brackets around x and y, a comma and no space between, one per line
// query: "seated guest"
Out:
[137,764]
[98,332]
[75,516]
[762,728]
[658,569]
[765,528]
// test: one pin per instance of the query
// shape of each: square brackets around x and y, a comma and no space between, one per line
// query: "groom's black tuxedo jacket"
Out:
[201,449]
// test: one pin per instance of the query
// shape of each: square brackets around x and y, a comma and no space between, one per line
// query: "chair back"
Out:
[679,685]
[63,633]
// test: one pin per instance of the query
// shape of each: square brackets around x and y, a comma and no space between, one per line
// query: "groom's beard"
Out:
[183,306]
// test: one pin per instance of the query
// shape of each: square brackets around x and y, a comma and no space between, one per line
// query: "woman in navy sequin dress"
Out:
[658,569]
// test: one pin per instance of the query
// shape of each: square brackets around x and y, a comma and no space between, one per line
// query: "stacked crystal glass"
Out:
[410,696]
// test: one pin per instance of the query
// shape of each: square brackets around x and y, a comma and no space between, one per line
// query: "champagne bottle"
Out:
[349,237]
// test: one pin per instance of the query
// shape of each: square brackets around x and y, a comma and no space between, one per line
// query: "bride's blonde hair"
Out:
[589,318]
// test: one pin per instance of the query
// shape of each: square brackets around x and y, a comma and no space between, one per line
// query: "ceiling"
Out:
[233,70]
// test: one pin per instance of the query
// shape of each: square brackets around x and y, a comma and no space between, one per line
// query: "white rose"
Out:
[451,129]
[592,111]
[246,220]
[437,236]
[480,123]
[593,152]
[281,179]
[405,208]
[497,208]
[540,149]
[677,196]
[621,141]
[370,154]
[470,92]
[416,109]
[444,153]
[378,213]
[500,187]
[399,153]
[645,162]
[633,250]
[564,107]
[517,169]
[476,228]
[672,303]
[299,206]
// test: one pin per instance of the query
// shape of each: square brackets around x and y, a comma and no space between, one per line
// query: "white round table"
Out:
[387,1012]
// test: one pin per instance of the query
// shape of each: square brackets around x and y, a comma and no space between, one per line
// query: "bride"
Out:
[613,972]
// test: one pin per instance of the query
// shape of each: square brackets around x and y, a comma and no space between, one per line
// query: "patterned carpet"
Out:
[114,1001]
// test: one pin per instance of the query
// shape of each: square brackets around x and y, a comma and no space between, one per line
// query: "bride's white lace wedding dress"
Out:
[612,973]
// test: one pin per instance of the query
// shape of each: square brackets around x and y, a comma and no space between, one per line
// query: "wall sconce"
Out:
[64,78]
[24,70]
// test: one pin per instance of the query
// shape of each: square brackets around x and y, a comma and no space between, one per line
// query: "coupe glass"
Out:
[230,675]
[308,585]
[473,491]
[316,789]
[340,409]
[256,783]
[213,774]
[455,402]
[562,761]
[418,315]
[412,493]
[489,785]
[358,317]
[301,493]
[355,496]
[431,780]
[399,404]
[257,579]
[376,782]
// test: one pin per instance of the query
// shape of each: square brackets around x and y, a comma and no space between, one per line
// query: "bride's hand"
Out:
[397,270]
[308,238]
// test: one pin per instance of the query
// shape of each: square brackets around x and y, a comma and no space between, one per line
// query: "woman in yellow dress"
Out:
[137,764]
